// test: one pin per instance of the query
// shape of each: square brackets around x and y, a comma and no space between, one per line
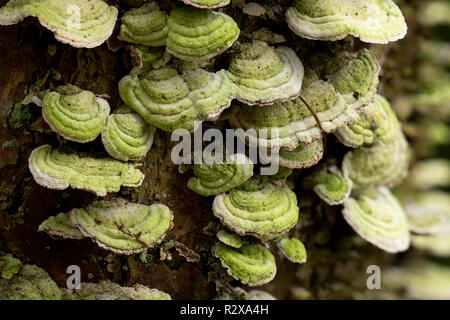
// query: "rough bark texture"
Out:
[337,258]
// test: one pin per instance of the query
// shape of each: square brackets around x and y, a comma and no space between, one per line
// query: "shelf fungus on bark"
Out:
[56,170]
[216,178]
[292,249]
[429,213]
[146,25]
[436,244]
[60,227]
[9,266]
[380,164]
[281,174]
[75,114]
[29,283]
[250,264]
[205,4]
[377,216]
[123,227]
[171,99]
[329,184]
[199,34]
[377,122]
[289,124]
[230,238]
[265,75]
[304,156]
[258,208]
[107,290]
[80,23]
[373,21]
[353,75]
[126,136]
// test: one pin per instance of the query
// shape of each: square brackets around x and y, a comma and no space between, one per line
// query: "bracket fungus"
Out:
[126,136]
[257,208]
[380,164]
[29,283]
[211,4]
[107,290]
[353,75]
[292,249]
[121,226]
[60,226]
[75,114]
[264,75]
[377,216]
[9,266]
[304,156]
[429,213]
[289,124]
[199,34]
[80,23]
[146,25]
[56,170]
[373,21]
[170,99]
[437,244]
[250,264]
[216,178]
[377,122]
[230,239]
[330,185]
[147,58]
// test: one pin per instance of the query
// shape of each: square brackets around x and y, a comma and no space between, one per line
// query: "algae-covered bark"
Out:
[31,59]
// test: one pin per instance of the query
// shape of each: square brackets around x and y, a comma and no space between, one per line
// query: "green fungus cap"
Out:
[377,216]
[330,185]
[80,23]
[373,21]
[304,156]
[377,122]
[107,290]
[146,25]
[30,283]
[265,75]
[257,208]
[126,136]
[123,227]
[211,4]
[9,266]
[170,99]
[250,264]
[199,34]
[230,238]
[56,170]
[75,114]
[293,249]
[437,245]
[289,124]
[216,178]
[60,226]
[379,164]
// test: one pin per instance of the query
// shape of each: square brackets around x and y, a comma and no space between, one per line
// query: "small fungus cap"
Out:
[216,178]
[264,75]
[123,227]
[257,208]
[199,34]
[230,239]
[171,99]
[75,114]
[126,136]
[56,170]
[60,226]
[250,264]
[377,216]
[80,23]
[373,21]
[377,122]
[9,266]
[146,25]
[107,290]
[207,4]
[293,249]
